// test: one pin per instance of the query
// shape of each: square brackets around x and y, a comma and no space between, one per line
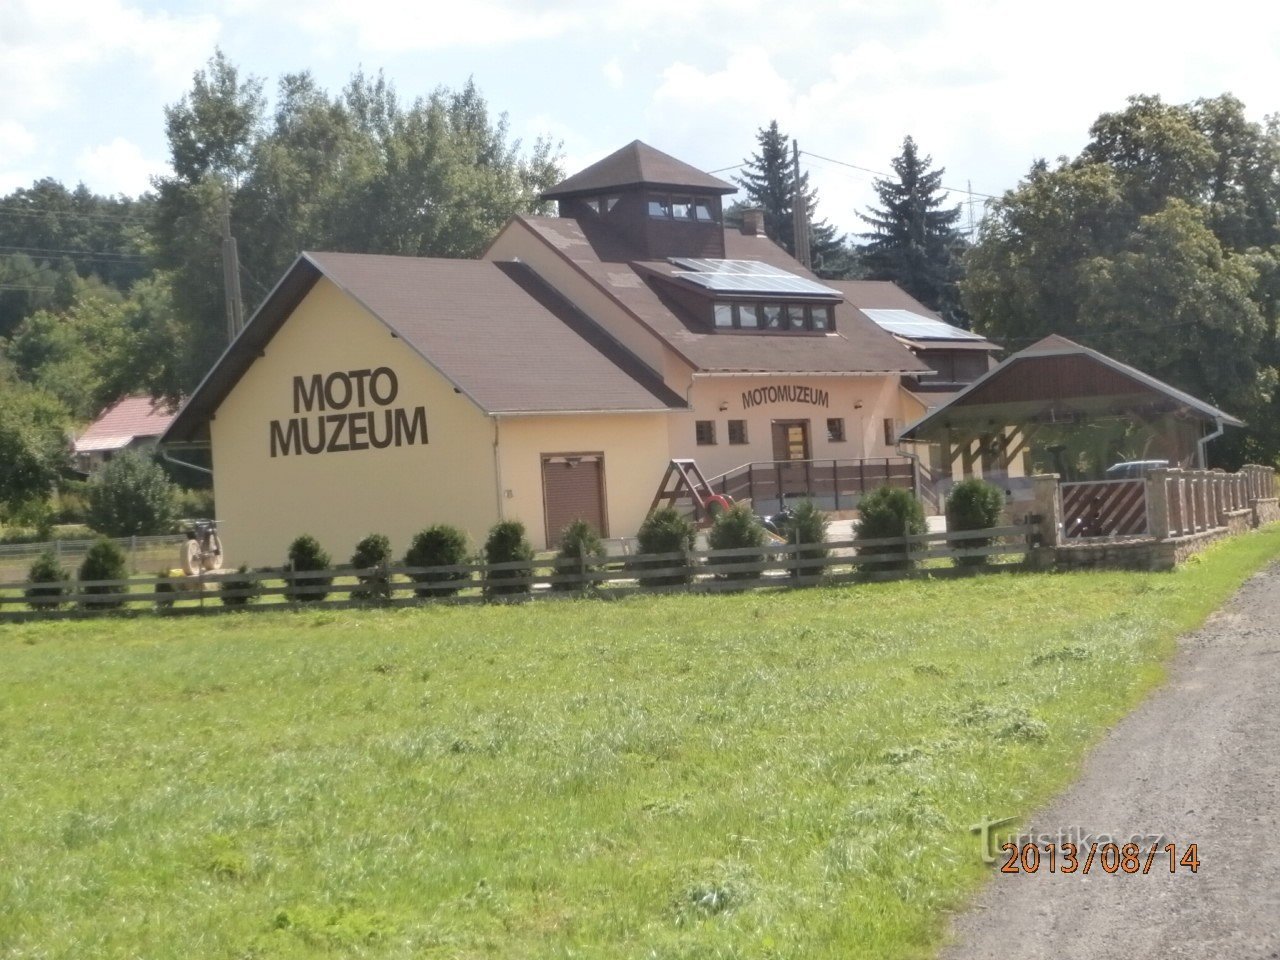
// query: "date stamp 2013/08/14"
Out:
[1076,851]
[1068,857]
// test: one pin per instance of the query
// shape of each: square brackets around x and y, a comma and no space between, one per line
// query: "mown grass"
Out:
[779,774]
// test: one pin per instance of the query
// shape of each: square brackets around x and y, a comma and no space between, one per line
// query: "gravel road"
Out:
[1199,762]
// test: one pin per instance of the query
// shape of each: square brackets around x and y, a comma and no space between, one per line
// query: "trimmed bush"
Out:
[973,505]
[438,546]
[247,589]
[507,544]
[373,551]
[889,512]
[664,531]
[737,527]
[580,550]
[305,555]
[104,561]
[808,525]
[131,496]
[46,569]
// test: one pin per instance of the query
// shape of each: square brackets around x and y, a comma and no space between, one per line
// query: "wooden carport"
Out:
[1068,410]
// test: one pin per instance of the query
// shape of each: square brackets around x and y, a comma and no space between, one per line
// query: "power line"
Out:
[76,214]
[883,173]
[108,256]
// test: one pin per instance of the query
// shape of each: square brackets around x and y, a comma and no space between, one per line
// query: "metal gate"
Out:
[1104,508]
[573,489]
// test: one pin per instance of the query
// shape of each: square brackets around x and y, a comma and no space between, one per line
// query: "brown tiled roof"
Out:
[635,164]
[125,421]
[857,346]
[494,330]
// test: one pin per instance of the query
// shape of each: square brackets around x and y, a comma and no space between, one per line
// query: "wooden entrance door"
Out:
[573,489]
[791,443]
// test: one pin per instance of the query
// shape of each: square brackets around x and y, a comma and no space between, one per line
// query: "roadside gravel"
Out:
[1198,762]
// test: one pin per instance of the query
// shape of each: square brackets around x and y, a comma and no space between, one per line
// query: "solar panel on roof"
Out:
[746,276]
[915,327]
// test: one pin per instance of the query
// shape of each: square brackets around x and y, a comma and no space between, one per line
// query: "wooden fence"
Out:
[699,571]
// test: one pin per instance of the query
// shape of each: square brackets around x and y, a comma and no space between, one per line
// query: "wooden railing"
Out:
[700,571]
[837,484]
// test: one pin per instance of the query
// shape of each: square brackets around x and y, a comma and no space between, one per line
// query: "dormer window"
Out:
[775,317]
[683,208]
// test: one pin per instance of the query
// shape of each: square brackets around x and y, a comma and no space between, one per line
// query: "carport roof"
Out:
[1054,371]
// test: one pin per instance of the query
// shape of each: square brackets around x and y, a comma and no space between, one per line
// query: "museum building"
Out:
[554,378]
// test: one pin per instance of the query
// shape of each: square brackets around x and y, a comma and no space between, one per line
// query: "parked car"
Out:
[1134,469]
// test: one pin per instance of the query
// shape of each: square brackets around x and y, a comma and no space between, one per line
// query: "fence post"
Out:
[1048,507]
[1206,499]
[133,553]
[582,570]
[1158,503]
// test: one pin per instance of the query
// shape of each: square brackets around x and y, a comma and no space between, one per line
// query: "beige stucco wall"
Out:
[635,457]
[863,402]
[264,502]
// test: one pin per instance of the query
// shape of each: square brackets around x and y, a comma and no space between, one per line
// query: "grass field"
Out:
[777,774]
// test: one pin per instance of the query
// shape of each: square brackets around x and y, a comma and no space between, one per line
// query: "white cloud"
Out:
[612,71]
[45,47]
[985,88]
[117,167]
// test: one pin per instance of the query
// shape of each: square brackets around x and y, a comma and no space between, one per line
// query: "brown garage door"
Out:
[573,489]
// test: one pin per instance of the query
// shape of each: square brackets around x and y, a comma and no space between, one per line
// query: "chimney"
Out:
[753,222]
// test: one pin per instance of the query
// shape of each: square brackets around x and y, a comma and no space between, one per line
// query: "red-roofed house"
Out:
[128,424]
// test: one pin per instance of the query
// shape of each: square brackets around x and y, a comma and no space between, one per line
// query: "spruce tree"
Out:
[769,181]
[914,241]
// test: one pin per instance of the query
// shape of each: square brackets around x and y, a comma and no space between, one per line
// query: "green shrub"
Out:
[973,505]
[737,527]
[246,589]
[131,496]
[71,502]
[46,570]
[507,544]
[306,554]
[193,503]
[374,551]
[35,517]
[580,550]
[808,525]
[889,512]
[438,546]
[664,531]
[104,561]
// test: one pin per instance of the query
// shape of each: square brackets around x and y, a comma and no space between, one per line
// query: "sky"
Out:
[984,86]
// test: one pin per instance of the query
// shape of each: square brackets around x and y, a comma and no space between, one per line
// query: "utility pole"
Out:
[799,215]
[231,272]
